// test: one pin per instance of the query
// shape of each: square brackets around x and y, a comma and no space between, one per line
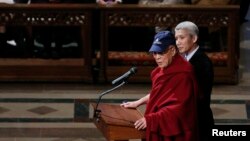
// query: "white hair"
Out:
[189,26]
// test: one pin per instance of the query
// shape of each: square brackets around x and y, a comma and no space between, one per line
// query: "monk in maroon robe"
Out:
[171,105]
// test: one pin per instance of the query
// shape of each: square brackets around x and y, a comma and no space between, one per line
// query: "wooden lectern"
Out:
[117,123]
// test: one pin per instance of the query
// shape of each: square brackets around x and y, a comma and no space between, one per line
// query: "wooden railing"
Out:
[80,15]
[213,17]
[39,69]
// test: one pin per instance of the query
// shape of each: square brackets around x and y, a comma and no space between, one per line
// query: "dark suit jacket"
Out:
[203,68]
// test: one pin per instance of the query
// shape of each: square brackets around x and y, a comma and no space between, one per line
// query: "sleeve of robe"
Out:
[176,108]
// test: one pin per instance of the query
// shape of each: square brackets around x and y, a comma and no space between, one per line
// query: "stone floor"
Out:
[61,111]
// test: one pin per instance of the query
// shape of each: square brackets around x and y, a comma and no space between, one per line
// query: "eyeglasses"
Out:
[158,53]
[163,52]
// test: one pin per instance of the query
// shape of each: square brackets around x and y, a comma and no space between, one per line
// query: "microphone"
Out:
[125,76]
[96,110]
[120,81]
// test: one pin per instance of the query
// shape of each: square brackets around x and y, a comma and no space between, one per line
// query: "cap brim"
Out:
[156,48]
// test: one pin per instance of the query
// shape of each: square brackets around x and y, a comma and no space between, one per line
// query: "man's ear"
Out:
[173,49]
[195,38]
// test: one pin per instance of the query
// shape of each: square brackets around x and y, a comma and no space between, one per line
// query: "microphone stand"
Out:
[97,111]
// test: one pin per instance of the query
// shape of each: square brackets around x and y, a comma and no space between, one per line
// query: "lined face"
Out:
[185,41]
[163,59]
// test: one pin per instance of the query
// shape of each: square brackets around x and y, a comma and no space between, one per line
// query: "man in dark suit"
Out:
[186,34]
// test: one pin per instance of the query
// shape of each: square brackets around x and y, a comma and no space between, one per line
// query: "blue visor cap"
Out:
[162,41]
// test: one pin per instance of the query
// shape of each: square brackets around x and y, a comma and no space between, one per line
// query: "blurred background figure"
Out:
[6,1]
[108,2]
[55,42]
[160,2]
[9,41]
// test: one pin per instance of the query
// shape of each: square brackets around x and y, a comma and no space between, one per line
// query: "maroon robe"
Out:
[171,110]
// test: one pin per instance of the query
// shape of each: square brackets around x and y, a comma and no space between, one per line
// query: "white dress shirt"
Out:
[189,56]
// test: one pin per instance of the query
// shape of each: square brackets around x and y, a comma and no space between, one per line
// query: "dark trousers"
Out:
[244,5]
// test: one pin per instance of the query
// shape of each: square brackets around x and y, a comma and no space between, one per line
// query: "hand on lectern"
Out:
[141,124]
